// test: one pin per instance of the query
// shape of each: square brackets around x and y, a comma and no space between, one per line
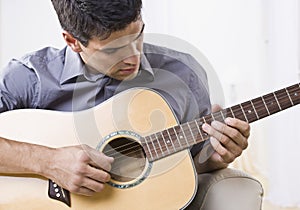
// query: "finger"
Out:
[218,131]
[84,191]
[92,185]
[97,174]
[242,126]
[87,191]
[225,155]
[84,185]
[216,108]
[98,159]
[230,134]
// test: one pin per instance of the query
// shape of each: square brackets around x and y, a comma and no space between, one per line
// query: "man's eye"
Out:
[110,51]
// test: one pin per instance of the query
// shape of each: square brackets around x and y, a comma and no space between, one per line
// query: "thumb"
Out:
[215,108]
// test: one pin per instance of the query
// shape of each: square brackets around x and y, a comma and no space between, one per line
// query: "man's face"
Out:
[119,55]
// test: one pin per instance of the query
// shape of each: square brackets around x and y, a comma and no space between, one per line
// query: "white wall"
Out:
[27,25]
[230,34]
[253,46]
[282,130]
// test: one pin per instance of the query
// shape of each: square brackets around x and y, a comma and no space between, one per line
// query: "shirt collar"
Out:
[75,67]
[146,67]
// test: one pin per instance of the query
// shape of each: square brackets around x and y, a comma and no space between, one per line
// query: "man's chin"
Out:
[127,77]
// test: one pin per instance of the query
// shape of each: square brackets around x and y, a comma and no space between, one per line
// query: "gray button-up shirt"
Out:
[57,80]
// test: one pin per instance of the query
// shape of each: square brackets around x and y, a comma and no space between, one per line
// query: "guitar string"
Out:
[287,102]
[121,146]
[121,159]
[119,163]
[261,107]
[116,151]
[272,105]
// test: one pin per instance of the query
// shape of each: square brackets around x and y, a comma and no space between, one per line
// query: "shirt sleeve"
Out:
[199,103]
[18,87]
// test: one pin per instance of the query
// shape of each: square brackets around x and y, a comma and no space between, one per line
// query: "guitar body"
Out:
[168,183]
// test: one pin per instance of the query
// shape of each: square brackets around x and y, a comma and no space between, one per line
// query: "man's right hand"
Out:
[79,169]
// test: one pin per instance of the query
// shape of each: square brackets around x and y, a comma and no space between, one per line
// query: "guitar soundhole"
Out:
[129,159]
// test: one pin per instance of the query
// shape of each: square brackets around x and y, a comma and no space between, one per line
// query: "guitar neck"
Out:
[180,137]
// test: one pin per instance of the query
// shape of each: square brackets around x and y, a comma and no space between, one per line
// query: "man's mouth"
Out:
[127,71]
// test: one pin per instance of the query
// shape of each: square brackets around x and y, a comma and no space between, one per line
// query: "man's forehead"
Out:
[121,38]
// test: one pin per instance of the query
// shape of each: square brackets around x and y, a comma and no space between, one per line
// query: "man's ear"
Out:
[72,42]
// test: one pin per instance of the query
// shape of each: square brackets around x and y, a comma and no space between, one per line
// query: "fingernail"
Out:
[228,120]
[205,126]
[111,159]
[214,123]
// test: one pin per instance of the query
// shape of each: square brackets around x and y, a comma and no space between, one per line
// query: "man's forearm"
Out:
[19,157]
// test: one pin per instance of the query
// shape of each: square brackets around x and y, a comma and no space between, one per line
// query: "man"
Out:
[105,55]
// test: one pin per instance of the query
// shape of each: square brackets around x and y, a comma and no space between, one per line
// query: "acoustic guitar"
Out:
[153,168]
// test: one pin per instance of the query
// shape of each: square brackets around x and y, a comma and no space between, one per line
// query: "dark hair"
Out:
[88,18]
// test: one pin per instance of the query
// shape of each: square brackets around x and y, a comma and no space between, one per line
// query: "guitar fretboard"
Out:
[180,137]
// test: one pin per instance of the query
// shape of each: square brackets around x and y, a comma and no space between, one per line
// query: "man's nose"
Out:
[132,60]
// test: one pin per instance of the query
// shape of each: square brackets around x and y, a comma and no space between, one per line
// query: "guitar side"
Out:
[170,184]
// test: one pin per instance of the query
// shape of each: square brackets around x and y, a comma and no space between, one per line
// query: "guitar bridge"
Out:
[58,193]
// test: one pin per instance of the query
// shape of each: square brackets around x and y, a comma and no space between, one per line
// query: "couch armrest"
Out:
[227,189]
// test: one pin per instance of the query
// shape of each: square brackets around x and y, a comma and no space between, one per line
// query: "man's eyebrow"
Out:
[117,48]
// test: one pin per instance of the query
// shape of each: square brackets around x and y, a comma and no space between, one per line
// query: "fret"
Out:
[148,148]
[249,111]
[173,137]
[154,146]
[168,141]
[181,137]
[184,137]
[244,113]
[197,132]
[232,112]
[208,119]
[260,107]
[282,98]
[277,101]
[254,109]
[265,105]
[192,133]
[171,140]
[212,116]
[198,128]
[270,102]
[238,113]
[294,94]
[218,116]
[162,139]
[200,122]
[159,145]
[227,113]
[204,121]
[178,142]
[289,96]
[222,115]
[203,134]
